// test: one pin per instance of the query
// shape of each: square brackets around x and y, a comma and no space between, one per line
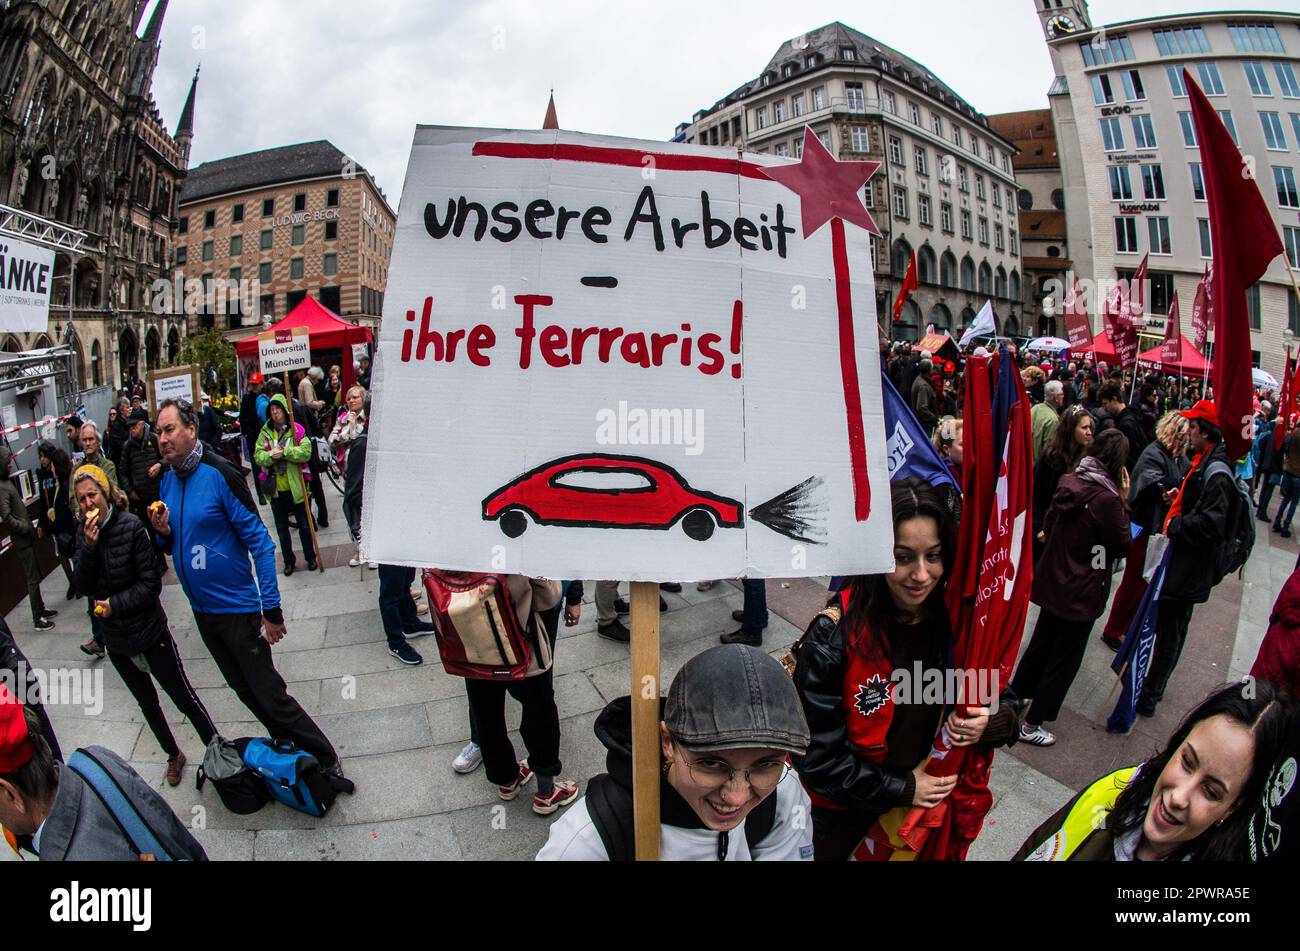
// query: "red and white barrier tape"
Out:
[33,425]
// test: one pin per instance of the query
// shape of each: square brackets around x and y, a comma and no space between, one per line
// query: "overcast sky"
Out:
[362,75]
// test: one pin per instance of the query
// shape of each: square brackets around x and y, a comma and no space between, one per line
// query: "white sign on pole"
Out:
[628,359]
[177,383]
[26,272]
[284,349]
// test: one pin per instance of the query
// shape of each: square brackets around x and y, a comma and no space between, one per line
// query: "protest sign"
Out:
[174,383]
[284,349]
[26,272]
[652,361]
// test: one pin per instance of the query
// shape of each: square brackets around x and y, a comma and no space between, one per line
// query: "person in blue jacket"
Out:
[209,525]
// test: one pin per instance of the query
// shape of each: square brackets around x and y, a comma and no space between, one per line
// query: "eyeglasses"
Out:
[713,773]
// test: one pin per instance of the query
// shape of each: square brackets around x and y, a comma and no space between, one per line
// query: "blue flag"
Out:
[1134,657]
[911,454]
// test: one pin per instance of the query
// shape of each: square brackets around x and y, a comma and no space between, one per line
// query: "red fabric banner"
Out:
[1171,350]
[1077,327]
[909,285]
[1201,312]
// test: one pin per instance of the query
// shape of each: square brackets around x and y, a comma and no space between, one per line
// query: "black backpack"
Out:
[610,807]
[1239,526]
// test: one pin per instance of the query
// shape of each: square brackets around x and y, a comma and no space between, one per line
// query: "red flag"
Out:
[1171,351]
[1285,405]
[1077,327]
[1137,292]
[909,285]
[1122,332]
[1201,312]
[1244,237]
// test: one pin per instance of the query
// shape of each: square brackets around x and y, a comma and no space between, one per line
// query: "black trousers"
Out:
[540,727]
[27,558]
[1050,664]
[837,832]
[1171,635]
[165,666]
[244,659]
[282,507]
[318,489]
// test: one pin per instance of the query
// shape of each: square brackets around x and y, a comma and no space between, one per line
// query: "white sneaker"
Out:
[354,562]
[469,759]
[373,566]
[1037,736]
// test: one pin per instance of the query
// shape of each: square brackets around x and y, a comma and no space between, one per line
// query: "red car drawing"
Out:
[607,491]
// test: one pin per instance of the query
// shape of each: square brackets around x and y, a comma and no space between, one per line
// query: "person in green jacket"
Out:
[282,454]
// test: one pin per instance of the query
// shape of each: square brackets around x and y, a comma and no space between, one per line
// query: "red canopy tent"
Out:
[327,331]
[1190,362]
[1101,351]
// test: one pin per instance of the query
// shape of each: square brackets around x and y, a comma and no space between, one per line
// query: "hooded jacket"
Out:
[1278,660]
[122,568]
[286,474]
[682,834]
[1198,531]
[14,518]
[1068,581]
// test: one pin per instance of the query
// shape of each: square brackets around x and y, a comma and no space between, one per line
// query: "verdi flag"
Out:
[909,285]
[1077,328]
[1123,335]
[1134,658]
[1171,349]
[1137,291]
[1244,238]
[1285,404]
[1201,312]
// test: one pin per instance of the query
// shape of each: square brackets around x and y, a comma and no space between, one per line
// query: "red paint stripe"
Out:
[849,371]
[599,155]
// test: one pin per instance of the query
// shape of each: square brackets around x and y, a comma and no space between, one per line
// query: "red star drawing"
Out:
[826,188]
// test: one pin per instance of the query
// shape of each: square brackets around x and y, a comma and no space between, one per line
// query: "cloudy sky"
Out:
[362,75]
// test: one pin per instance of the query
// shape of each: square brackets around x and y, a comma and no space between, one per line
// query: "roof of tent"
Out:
[327,329]
[1190,360]
[1102,348]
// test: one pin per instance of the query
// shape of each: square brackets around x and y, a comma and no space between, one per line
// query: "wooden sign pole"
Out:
[306,490]
[644,603]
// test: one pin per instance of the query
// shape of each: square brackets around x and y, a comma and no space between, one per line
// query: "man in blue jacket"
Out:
[211,528]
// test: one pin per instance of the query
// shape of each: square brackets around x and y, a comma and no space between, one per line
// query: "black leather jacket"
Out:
[123,568]
[1198,532]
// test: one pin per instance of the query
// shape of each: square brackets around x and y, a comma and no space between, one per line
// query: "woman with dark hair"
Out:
[1063,452]
[868,751]
[56,517]
[1192,801]
[1086,530]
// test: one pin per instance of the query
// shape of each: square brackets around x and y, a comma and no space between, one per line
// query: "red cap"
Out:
[255,378]
[950,367]
[15,745]
[1203,410]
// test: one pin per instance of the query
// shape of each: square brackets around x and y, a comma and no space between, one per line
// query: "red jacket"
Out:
[1279,655]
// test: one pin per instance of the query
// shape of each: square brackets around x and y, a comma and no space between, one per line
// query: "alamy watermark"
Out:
[636,426]
[57,686]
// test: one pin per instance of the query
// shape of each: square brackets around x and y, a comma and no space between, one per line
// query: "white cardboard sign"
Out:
[284,349]
[627,359]
[26,272]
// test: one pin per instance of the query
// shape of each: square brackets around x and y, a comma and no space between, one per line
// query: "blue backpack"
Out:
[292,776]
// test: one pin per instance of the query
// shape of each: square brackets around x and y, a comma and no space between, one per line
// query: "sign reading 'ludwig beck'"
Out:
[25,276]
[284,349]
[650,361]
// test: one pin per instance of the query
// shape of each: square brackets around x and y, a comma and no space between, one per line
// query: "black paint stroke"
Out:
[798,513]
[600,282]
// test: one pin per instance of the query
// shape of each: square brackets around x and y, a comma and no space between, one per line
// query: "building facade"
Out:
[82,144]
[946,188]
[1129,156]
[271,227]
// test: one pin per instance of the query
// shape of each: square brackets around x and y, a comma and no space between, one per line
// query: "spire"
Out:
[551,122]
[153,32]
[147,53]
[186,124]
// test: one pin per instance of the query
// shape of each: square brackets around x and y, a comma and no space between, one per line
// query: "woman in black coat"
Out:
[56,518]
[118,568]
[1073,435]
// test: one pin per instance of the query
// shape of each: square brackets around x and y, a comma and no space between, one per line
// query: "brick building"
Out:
[263,230]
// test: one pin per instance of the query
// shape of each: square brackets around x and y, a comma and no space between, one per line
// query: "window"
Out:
[923,210]
[1203,227]
[1226,116]
[300,201]
[268,207]
[797,104]
[236,245]
[975,146]
[1126,235]
[264,272]
[1115,49]
[1198,181]
[778,111]
[988,151]
[781,150]
[966,225]
[1181,39]
[1286,80]
[915,111]
[330,265]
[999,242]
[1153,183]
[967,274]
[1252,306]
[299,235]
[207,250]
[237,213]
[1274,137]
[887,102]
[1292,320]
[1257,78]
[1133,88]
[861,143]
[810,61]
[825,139]
[1158,230]
[963,178]
[956,136]
[997,197]
[209,218]
[1144,133]
[1255,38]
[984,230]
[819,98]
[1015,249]
[979,187]
[936,123]
[1189,129]
[1101,91]
[1210,81]
[1006,162]
[1176,86]
[332,198]
[921,160]
[857,100]
[1295,127]
[295,269]
[184,226]
[797,144]
[895,148]
[869,194]
[181,256]
[1112,135]
[900,202]
[848,54]
[945,216]
[266,240]
[1291,238]
[1284,180]
[760,117]
[1121,188]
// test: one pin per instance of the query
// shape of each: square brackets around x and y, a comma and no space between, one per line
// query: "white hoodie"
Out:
[574,838]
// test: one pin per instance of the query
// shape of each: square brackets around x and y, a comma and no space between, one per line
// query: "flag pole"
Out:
[306,490]
[644,603]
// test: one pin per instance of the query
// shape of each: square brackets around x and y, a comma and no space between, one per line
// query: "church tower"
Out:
[1063,17]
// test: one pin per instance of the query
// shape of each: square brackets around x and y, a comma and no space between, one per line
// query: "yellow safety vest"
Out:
[1088,815]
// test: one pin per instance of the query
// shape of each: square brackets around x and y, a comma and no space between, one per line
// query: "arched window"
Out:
[986,279]
[926,272]
[1011,327]
[948,269]
[967,273]
[1015,284]
[1000,281]
[38,106]
[908,325]
[96,365]
[16,79]
[967,316]
[941,317]
[902,255]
